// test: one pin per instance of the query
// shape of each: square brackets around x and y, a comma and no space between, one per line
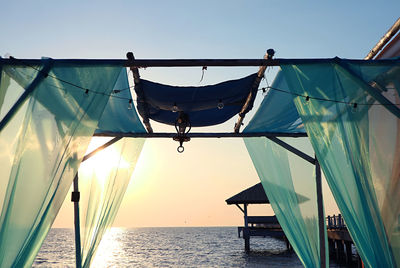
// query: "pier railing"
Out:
[335,222]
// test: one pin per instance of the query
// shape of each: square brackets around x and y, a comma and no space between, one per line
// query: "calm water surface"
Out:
[169,247]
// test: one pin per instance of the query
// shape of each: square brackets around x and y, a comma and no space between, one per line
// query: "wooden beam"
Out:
[140,93]
[239,207]
[147,63]
[200,135]
[375,93]
[100,148]
[384,40]
[268,56]
[293,150]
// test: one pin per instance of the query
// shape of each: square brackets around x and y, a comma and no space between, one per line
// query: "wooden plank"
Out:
[200,135]
[262,219]
[268,56]
[139,93]
[339,235]
[146,63]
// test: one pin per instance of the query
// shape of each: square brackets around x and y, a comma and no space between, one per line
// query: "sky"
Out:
[190,189]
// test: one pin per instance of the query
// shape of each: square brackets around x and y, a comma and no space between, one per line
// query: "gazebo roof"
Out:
[252,195]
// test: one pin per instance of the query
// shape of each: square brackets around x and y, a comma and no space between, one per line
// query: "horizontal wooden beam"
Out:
[200,135]
[144,63]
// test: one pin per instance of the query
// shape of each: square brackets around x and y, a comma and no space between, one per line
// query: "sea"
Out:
[170,247]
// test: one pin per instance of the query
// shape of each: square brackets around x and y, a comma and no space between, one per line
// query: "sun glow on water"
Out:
[109,249]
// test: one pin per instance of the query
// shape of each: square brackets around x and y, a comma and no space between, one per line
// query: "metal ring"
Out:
[180,149]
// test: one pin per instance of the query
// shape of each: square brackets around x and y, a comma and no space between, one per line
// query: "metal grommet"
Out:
[180,149]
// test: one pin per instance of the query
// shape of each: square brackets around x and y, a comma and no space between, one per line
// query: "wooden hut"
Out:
[261,226]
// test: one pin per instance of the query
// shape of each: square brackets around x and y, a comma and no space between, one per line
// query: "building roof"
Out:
[252,195]
[256,195]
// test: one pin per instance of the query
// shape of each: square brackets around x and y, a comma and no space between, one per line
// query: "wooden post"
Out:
[349,254]
[321,218]
[332,248]
[139,93]
[288,246]
[246,233]
[268,56]
[75,196]
[340,251]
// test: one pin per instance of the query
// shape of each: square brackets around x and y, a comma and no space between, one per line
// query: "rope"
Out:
[85,90]
[116,91]
[202,73]
[307,98]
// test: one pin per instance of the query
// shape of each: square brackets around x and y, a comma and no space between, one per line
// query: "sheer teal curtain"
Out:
[103,180]
[289,183]
[277,112]
[41,148]
[120,115]
[358,147]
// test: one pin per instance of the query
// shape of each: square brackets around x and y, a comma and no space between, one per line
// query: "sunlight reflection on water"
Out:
[169,247]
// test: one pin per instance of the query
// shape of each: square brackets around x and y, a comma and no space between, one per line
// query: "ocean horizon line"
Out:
[135,227]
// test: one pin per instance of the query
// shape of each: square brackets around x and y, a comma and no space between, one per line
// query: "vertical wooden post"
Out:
[332,248]
[340,251]
[349,254]
[248,105]
[321,218]
[75,196]
[246,234]
[139,92]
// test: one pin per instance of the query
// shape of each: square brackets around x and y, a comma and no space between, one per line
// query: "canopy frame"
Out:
[147,63]
[143,63]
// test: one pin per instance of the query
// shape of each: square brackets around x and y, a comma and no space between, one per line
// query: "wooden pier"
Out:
[261,226]
[340,242]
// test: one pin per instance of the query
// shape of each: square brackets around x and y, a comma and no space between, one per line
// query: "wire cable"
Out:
[116,91]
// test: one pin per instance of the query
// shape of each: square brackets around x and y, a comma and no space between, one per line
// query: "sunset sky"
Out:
[189,189]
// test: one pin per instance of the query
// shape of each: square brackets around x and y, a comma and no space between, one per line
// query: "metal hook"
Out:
[180,149]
